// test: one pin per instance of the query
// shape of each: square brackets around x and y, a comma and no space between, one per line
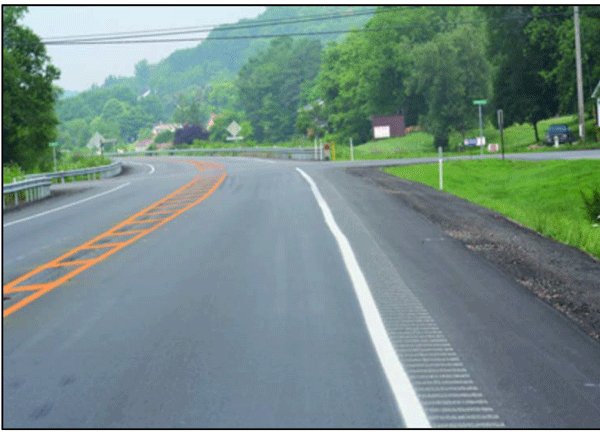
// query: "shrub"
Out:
[592,204]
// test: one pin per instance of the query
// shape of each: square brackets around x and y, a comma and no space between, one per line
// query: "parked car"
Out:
[561,131]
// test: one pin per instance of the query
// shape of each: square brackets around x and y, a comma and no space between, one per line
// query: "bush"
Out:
[12,171]
[592,205]
[164,137]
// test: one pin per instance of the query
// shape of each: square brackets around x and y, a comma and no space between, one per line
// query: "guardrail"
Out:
[37,186]
[296,153]
[33,189]
[103,170]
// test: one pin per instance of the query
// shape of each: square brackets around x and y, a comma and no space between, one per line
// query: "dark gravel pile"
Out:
[563,276]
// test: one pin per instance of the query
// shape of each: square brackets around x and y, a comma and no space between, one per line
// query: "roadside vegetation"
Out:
[547,196]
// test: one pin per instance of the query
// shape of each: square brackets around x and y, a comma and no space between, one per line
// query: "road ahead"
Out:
[220,294]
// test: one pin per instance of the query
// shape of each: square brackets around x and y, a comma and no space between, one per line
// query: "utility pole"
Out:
[579,74]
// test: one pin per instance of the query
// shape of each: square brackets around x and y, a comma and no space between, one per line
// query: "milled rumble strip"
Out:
[204,185]
[431,369]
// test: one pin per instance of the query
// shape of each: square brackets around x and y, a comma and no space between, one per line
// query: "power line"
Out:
[221,27]
[113,41]
[113,38]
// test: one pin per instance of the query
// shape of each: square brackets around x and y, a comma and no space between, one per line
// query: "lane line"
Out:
[407,401]
[65,206]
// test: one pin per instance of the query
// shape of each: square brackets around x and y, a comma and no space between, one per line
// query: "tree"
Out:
[188,134]
[142,75]
[450,71]
[521,90]
[187,111]
[28,96]
[270,85]
[218,131]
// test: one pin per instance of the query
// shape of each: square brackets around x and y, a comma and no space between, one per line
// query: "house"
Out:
[388,126]
[211,121]
[95,142]
[161,127]
[161,146]
[143,144]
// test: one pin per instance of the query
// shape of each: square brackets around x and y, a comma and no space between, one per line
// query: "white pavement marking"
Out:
[65,206]
[143,163]
[408,403]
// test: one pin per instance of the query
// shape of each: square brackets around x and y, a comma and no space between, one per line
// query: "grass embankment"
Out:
[544,196]
[517,138]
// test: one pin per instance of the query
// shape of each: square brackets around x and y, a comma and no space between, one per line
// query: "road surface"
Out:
[221,293]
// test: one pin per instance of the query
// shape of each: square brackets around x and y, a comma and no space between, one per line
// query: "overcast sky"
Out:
[83,65]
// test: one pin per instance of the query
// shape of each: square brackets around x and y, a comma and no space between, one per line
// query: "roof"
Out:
[596,93]
[142,144]
[95,141]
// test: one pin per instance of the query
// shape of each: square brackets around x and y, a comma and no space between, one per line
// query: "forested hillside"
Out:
[199,80]
[338,66]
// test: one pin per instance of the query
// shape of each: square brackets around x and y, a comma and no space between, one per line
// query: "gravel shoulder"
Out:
[563,276]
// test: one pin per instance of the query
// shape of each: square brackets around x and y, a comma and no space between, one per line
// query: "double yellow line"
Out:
[150,218]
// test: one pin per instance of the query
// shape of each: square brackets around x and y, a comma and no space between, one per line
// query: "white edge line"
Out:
[143,163]
[65,206]
[408,403]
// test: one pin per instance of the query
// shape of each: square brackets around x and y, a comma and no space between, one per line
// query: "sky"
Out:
[84,65]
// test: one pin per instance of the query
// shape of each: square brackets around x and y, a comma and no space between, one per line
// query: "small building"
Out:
[388,126]
[161,127]
[95,142]
[143,144]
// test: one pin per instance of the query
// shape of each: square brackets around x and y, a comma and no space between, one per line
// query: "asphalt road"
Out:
[243,312]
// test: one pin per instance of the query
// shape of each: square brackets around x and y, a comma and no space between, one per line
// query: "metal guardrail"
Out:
[296,153]
[104,171]
[33,189]
[37,186]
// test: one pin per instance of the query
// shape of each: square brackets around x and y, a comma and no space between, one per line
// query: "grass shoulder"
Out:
[545,196]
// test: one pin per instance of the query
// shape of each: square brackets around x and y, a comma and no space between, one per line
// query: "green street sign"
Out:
[54,144]
[480,102]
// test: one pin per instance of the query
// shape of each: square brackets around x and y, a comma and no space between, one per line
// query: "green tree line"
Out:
[427,62]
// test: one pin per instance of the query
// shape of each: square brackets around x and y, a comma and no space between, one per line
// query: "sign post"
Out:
[351,151]
[53,145]
[501,128]
[480,103]
[441,169]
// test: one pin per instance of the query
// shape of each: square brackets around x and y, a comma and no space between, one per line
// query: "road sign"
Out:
[480,102]
[53,144]
[234,129]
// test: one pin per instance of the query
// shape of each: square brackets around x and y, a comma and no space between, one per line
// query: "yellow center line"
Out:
[41,289]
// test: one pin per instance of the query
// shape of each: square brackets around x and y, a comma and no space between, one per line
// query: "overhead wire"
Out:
[114,38]
[217,27]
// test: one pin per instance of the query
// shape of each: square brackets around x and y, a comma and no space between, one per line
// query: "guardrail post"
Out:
[16,198]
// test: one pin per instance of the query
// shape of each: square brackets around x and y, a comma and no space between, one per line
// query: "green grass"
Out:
[544,196]
[517,138]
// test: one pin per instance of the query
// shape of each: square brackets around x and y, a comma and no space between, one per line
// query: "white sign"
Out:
[493,147]
[480,141]
[381,131]
[234,129]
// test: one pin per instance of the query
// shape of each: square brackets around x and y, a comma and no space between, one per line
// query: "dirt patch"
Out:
[563,276]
